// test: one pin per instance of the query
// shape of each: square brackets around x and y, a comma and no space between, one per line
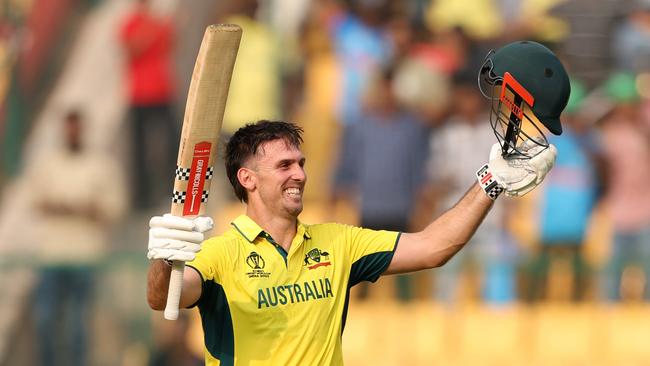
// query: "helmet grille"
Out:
[511,117]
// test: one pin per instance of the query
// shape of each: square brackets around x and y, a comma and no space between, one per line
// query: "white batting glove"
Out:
[539,165]
[513,175]
[174,238]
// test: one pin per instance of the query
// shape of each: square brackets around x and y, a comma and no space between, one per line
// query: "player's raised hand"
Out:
[542,161]
[176,238]
[514,175]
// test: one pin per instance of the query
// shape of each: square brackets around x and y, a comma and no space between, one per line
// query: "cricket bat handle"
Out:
[175,288]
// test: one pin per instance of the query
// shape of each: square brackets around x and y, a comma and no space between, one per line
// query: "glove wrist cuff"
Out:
[487,182]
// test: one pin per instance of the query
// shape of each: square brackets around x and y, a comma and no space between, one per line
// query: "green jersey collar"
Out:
[250,230]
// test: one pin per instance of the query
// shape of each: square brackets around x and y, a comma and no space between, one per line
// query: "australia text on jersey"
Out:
[294,293]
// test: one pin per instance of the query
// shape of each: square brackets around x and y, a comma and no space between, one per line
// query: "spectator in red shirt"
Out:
[147,41]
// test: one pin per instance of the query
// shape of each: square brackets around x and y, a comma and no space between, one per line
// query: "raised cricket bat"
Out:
[204,110]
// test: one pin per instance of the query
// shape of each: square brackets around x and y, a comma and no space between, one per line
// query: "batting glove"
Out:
[174,238]
[516,176]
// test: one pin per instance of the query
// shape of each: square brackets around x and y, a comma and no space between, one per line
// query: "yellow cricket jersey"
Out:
[263,306]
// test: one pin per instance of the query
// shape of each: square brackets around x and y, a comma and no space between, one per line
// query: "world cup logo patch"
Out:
[255,261]
[257,264]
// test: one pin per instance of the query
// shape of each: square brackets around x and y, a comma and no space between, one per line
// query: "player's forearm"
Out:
[449,233]
[453,229]
[442,238]
[158,284]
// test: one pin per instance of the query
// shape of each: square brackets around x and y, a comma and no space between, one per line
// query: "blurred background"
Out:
[92,94]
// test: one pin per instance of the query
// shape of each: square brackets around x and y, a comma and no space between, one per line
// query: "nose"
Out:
[298,173]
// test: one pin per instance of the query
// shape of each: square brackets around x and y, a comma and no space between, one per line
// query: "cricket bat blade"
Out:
[206,102]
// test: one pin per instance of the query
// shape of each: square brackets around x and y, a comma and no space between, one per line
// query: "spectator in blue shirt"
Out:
[386,137]
[567,200]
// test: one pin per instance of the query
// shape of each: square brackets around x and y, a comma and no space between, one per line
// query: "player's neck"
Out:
[281,228]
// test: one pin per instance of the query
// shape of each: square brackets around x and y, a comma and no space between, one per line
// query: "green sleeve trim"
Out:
[217,323]
[367,268]
[370,267]
[202,281]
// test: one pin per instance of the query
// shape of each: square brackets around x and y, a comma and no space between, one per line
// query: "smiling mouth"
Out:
[293,192]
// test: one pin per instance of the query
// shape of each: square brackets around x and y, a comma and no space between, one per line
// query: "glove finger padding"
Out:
[176,238]
[538,167]
[163,233]
[543,162]
[521,191]
[166,243]
[509,172]
[200,224]
[169,221]
[521,182]
[203,224]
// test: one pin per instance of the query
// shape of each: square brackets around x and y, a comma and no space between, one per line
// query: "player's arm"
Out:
[173,238]
[442,238]
[158,285]
[447,234]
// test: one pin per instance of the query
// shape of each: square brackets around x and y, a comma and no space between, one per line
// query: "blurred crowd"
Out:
[395,127]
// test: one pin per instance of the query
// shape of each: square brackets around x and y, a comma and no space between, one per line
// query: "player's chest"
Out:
[265,276]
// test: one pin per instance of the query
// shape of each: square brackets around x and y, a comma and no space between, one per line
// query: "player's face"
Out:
[281,177]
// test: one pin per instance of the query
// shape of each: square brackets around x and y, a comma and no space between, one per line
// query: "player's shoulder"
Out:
[334,230]
[227,241]
[227,238]
[327,229]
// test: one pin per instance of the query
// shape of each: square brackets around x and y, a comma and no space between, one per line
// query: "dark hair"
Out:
[246,141]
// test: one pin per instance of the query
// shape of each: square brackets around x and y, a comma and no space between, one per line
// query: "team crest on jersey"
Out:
[316,258]
[257,264]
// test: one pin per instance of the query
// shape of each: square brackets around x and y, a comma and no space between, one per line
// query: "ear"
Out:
[247,178]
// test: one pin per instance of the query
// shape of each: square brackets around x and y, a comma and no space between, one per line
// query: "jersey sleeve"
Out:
[209,263]
[371,252]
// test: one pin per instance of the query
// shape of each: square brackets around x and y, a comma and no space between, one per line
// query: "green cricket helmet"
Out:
[528,86]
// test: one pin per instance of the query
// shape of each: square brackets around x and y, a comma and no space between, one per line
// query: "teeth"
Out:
[292,190]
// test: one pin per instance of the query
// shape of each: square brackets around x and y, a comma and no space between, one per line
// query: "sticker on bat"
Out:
[184,173]
[200,161]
